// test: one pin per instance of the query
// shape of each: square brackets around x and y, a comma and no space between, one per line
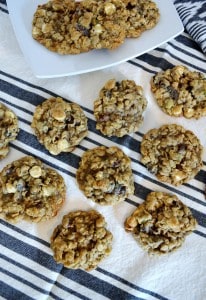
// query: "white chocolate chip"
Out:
[177,111]
[35,31]
[4,151]
[58,113]
[1,113]
[35,171]
[109,8]
[189,112]
[98,28]
[46,28]
[10,188]
[132,222]
[57,6]
[47,191]
[63,144]
[100,247]
[179,175]
[9,114]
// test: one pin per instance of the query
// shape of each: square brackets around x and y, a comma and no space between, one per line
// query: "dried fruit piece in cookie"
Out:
[8,129]
[161,223]
[82,240]
[180,92]
[119,108]
[172,153]
[105,176]
[69,27]
[142,15]
[59,126]
[30,191]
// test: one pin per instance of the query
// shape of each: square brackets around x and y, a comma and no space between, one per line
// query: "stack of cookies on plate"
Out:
[69,27]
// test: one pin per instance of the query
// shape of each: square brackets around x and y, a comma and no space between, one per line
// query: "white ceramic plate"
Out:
[45,63]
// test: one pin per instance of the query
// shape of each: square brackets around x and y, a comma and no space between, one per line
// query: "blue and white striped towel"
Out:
[193,15]
[27,268]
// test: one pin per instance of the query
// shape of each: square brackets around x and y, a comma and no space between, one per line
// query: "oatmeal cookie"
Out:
[161,223]
[105,175]
[119,108]
[82,240]
[52,27]
[102,21]
[59,126]
[8,129]
[172,153]
[69,27]
[142,15]
[30,191]
[180,92]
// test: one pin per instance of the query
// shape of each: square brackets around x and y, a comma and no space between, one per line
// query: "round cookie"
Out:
[30,191]
[82,240]
[8,129]
[69,27]
[119,108]
[59,126]
[103,22]
[52,27]
[105,176]
[161,223]
[180,92]
[172,153]
[142,15]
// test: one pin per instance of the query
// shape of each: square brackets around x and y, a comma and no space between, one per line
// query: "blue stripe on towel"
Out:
[39,275]
[10,293]
[77,275]
[186,41]
[24,281]
[131,284]
[46,260]
[4,10]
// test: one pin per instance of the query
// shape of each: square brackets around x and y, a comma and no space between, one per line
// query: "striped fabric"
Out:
[27,268]
[193,15]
